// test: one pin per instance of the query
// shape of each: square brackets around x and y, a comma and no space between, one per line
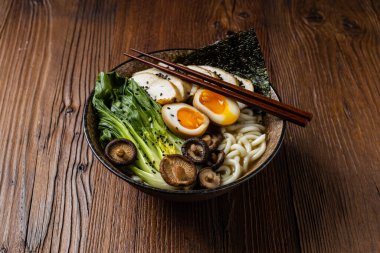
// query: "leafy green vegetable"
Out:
[127,111]
[239,54]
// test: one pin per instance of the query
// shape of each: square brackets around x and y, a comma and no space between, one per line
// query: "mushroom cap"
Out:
[196,150]
[121,152]
[213,140]
[216,159]
[208,178]
[177,170]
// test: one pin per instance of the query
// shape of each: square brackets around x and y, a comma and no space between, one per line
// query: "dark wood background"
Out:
[320,194]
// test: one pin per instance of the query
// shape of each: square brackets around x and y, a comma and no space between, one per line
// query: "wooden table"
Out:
[320,194]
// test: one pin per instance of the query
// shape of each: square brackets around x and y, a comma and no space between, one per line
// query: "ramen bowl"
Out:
[275,130]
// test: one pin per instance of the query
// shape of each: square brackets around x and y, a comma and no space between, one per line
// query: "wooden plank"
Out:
[320,194]
[333,50]
[45,185]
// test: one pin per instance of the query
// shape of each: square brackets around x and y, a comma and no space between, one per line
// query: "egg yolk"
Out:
[189,118]
[213,101]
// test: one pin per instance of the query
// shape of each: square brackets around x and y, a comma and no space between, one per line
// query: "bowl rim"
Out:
[166,191]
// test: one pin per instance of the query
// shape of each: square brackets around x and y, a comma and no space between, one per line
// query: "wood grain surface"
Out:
[320,194]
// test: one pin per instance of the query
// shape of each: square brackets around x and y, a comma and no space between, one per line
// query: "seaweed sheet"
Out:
[239,53]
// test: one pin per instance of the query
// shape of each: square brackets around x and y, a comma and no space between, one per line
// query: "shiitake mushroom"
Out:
[196,150]
[180,170]
[121,152]
[213,140]
[177,170]
[208,178]
[216,159]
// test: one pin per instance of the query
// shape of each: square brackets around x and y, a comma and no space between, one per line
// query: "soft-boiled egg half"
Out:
[220,109]
[184,120]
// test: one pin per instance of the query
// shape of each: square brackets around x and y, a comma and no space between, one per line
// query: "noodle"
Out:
[244,142]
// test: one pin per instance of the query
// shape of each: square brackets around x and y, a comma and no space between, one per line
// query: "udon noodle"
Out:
[244,142]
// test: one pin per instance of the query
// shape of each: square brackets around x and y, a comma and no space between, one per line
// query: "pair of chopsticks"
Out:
[281,110]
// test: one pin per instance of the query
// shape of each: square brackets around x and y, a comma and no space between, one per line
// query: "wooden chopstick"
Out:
[279,112]
[236,88]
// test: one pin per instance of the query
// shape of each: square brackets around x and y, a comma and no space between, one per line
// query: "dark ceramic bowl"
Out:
[275,129]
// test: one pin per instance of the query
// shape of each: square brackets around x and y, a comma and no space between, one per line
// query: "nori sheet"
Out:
[239,53]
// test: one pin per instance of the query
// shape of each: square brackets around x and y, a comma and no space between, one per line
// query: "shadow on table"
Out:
[266,214]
